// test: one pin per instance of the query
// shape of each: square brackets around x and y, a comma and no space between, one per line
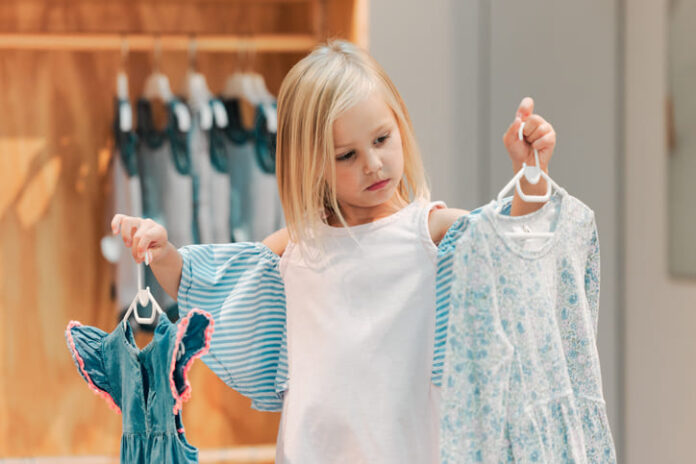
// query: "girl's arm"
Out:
[441,219]
[277,241]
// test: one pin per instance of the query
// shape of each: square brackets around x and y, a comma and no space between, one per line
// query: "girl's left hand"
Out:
[538,133]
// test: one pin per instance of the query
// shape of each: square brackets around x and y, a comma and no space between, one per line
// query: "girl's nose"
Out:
[373,163]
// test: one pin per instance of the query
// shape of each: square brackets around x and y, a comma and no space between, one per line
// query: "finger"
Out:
[545,142]
[526,108]
[129,225]
[149,245]
[510,136]
[145,238]
[541,130]
[116,223]
[142,232]
[531,125]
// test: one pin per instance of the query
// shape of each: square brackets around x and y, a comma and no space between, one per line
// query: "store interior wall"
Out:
[463,66]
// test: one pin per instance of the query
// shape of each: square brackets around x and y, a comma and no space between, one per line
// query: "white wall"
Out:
[463,66]
[661,312]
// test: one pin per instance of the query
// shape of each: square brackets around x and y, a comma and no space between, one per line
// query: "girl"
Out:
[332,319]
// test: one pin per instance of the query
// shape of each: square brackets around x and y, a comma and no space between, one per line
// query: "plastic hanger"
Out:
[196,90]
[125,112]
[143,297]
[157,84]
[240,84]
[533,174]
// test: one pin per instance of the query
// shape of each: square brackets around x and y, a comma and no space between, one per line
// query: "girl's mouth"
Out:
[378,185]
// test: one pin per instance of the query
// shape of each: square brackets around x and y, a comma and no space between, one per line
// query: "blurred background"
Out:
[616,78]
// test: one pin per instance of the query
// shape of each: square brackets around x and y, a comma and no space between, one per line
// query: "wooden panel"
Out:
[55,145]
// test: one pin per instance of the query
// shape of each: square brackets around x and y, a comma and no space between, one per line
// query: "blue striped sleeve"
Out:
[443,285]
[240,286]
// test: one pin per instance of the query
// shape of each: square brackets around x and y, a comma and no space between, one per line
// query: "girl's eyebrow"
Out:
[379,129]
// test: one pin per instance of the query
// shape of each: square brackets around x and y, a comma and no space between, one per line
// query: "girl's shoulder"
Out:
[277,241]
[441,219]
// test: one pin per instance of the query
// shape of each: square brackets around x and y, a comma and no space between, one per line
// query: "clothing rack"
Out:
[147,42]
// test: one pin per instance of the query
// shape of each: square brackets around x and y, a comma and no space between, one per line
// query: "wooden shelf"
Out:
[147,42]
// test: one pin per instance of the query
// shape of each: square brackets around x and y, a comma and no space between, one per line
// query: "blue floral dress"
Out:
[147,386]
[521,376]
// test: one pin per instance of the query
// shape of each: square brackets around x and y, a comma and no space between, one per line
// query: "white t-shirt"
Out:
[360,334]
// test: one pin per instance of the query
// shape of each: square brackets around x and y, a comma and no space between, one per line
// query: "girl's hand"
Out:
[537,133]
[141,236]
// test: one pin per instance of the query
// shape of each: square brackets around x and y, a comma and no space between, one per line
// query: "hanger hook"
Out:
[192,52]
[157,52]
[124,52]
[532,173]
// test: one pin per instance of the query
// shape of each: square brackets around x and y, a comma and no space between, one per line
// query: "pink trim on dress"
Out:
[81,365]
[181,330]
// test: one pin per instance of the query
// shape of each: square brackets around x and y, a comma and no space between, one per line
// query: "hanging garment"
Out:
[210,156]
[164,162]
[521,378]
[256,210]
[147,386]
[127,199]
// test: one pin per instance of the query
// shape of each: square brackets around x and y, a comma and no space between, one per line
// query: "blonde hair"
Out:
[331,79]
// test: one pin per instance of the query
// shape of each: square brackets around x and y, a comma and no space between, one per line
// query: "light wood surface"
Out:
[55,148]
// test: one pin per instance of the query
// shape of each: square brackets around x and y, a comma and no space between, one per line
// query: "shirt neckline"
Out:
[381,222]
[558,199]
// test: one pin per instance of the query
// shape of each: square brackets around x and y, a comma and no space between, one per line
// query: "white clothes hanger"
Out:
[196,90]
[157,84]
[125,112]
[240,84]
[143,297]
[533,174]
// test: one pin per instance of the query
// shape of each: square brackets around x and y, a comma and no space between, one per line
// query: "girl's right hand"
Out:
[141,236]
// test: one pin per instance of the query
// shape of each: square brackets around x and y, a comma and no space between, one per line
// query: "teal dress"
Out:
[148,386]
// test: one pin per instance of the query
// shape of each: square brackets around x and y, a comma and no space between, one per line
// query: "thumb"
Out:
[526,108]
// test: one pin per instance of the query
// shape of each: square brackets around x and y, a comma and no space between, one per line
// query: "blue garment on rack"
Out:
[147,386]
[256,209]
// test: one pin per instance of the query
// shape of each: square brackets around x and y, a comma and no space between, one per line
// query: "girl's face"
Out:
[368,151]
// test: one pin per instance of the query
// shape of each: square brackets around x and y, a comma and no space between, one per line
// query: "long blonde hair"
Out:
[331,79]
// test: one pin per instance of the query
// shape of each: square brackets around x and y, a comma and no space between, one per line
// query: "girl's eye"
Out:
[382,139]
[346,156]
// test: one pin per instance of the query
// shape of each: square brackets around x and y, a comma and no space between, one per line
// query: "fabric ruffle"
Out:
[193,335]
[549,431]
[85,344]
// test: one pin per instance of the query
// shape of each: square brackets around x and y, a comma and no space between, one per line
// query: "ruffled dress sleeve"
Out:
[240,286]
[191,341]
[85,345]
